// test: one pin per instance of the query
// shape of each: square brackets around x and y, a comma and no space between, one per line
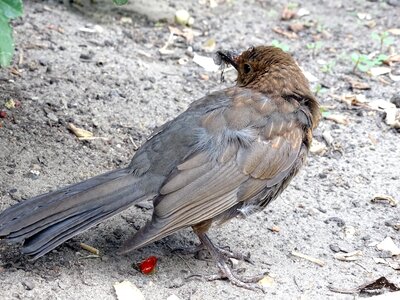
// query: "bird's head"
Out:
[270,70]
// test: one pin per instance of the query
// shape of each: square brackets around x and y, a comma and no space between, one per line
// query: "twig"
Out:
[310,258]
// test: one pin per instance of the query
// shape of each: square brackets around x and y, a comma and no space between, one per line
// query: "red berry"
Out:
[3,114]
[148,265]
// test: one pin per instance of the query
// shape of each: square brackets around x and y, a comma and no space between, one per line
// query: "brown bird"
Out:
[229,154]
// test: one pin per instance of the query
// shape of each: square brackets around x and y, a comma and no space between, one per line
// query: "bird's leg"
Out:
[226,251]
[225,270]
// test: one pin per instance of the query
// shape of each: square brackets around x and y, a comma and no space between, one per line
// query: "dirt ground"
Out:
[100,68]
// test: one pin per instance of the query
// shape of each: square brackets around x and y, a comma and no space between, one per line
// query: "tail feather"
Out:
[46,221]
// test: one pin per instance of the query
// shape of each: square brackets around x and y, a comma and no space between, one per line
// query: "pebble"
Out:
[396,100]
[335,248]
[337,220]
[29,285]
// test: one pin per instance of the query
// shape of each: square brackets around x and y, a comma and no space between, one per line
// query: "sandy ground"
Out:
[100,68]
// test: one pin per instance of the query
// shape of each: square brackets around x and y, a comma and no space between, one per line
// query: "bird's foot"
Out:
[250,283]
[236,255]
[220,256]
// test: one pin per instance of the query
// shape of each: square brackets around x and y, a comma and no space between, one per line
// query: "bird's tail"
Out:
[46,221]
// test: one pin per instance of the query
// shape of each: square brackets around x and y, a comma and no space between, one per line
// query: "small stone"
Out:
[335,248]
[28,285]
[396,100]
[339,221]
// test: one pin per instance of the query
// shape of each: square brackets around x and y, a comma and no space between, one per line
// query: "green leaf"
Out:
[6,42]
[363,68]
[355,57]
[375,36]
[120,2]
[11,8]
[388,41]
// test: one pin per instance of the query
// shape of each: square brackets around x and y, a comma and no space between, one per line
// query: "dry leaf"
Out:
[340,119]
[126,290]
[380,198]
[10,104]
[186,33]
[377,71]
[296,27]
[351,256]
[358,85]
[388,245]
[287,14]
[288,34]
[392,58]
[394,31]
[79,132]
[317,147]
[267,281]
[205,62]
[274,228]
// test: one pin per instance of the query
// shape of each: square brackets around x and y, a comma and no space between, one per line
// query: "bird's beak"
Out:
[227,57]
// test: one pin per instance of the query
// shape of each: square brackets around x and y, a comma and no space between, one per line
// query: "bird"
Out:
[228,155]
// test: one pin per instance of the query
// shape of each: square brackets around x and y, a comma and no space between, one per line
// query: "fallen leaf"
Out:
[205,62]
[317,147]
[79,132]
[381,198]
[394,31]
[266,281]
[126,290]
[3,114]
[388,245]
[377,71]
[274,228]
[392,58]
[296,27]
[287,13]
[379,285]
[186,33]
[351,256]
[10,104]
[340,119]
[288,34]
[358,85]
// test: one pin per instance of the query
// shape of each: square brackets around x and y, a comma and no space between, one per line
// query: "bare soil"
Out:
[100,68]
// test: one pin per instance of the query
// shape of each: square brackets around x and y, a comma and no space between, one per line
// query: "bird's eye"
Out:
[246,68]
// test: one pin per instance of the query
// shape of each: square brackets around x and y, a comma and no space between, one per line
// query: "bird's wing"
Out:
[242,149]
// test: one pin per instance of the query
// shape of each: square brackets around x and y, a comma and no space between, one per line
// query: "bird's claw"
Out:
[250,283]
